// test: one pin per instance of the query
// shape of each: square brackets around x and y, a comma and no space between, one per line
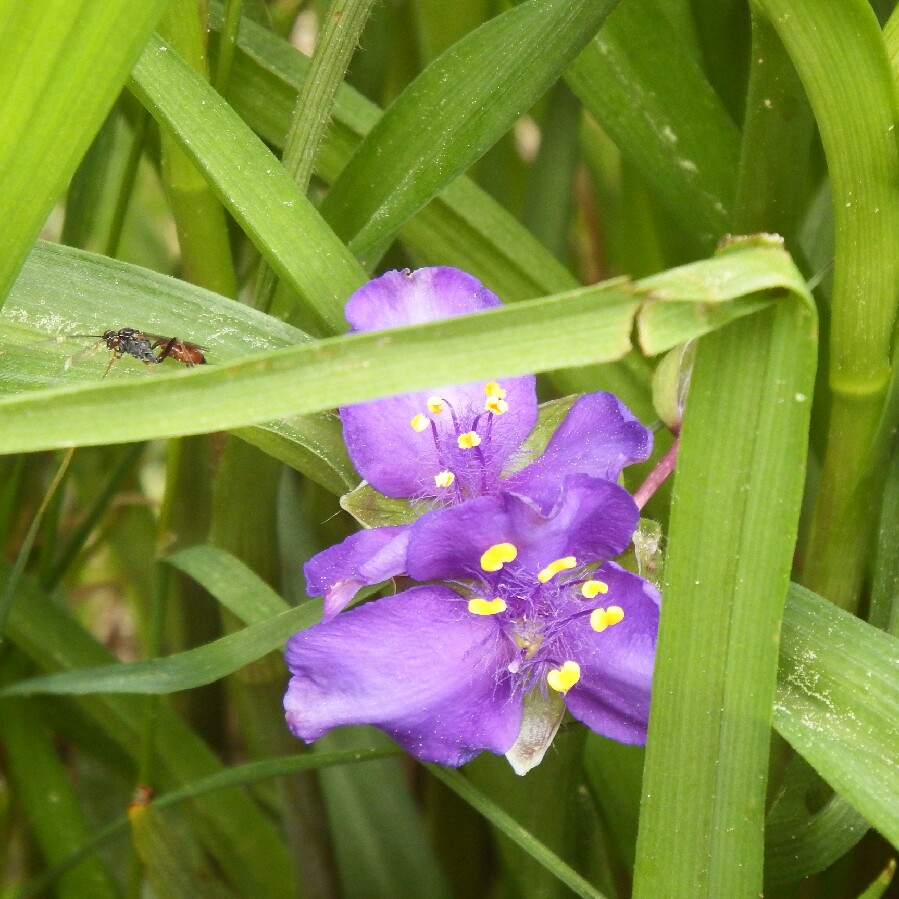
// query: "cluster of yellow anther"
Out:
[436,405]
[560,679]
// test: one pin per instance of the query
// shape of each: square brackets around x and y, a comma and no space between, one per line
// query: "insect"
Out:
[142,346]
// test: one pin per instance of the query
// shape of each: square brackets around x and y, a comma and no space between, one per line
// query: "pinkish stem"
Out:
[657,476]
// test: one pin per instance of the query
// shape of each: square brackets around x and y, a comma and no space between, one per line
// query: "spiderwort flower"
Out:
[448,445]
[529,612]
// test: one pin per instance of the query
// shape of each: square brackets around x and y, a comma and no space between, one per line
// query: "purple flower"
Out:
[530,620]
[447,445]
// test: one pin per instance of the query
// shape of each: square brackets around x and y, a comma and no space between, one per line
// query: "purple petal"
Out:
[612,695]
[599,437]
[400,462]
[410,298]
[594,519]
[418,666]
[387,452]
[364,558]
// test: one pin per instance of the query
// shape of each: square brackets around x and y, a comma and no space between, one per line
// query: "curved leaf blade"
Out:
[431,134]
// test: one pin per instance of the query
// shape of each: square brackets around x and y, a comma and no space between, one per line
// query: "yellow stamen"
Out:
[563,679]
[468,440]
[444,479]
[555,567]
[435,405]
[478,606]
[592,588]
[492,388]
[600,619]
[497,556]
[496,406]
[420,423]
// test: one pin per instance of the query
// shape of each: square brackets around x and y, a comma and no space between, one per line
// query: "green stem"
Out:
[854,107]
[341,30]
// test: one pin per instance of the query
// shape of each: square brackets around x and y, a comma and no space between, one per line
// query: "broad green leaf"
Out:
[430,134]
[65,291]
[251,183]
[382,846]
[643,86]
[582,327]
[838,704]
[62,65]
[589,325]
[737,494]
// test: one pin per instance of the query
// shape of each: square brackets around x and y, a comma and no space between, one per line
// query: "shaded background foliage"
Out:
[193,173]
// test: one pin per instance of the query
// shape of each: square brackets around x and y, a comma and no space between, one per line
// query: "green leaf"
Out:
[461,226]
[430,134]
[173,864]
[237,776]
[737,494]
[237,587]
[507,825]
[651,97]
[183,671]
[42,786]
[589,325]
[696,299]
[837,702]
[234,830]
[804,832]
[855,110]
[251,183]
[63,63]
[66,291]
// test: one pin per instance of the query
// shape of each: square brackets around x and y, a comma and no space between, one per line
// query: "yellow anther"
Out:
[478,606]
[592,588]
[497,556]
[444,479]
[492,388]
[555,567]
[600,619]
[468,440]
[496,405]
[563,679]
[435,405]
[420,423]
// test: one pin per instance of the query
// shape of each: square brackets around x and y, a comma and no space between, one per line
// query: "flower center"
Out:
[462,440]
[543,615]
